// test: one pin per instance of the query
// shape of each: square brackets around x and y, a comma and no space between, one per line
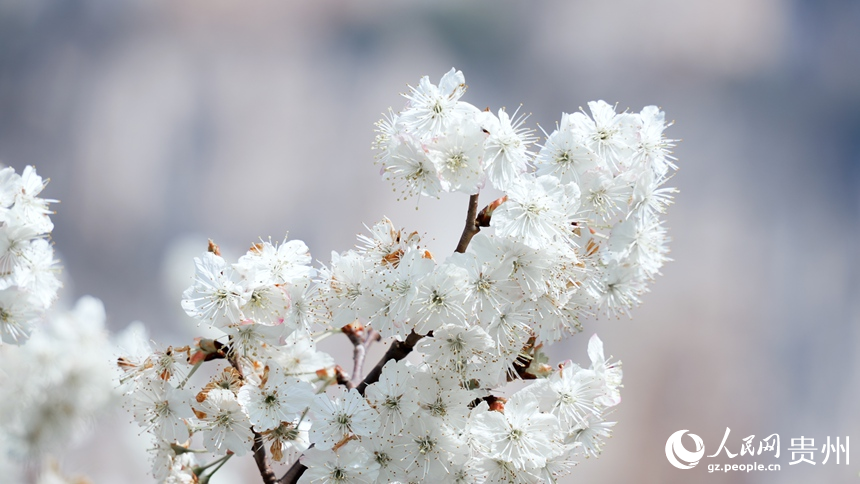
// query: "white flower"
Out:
[279,399]
[591,433]
[393,292]
[431,108]
[441,395]
[610,372]
[409,162]
[267,304]
[394,396]
[611,135]
[458,157]
[280,264]
[386,244]
[604,196]
[390,454]
[301,314]
[500,471]
[459,349]
[653,147]
[29,209]
[538,211]
[638,241]
[38,274]
[648,198]
[565,154]
[224,425]
[52,386]
[507,145]
[570,394]
[298,356]
[14,242]
[339,418]
[440,299]
[17,314]
[215,297]
[351,463]
[10,186]
[250,339]
[343,283]
[618,289]
[489,285]
[431,448]
[521,434]
[162,409]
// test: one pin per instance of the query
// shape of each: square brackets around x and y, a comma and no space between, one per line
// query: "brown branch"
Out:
[397,351]
[293,474]
[262,460]
[471,228]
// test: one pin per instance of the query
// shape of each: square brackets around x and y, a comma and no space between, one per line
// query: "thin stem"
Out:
[188,377]
[199,469]
[317,337]
[221,462]
[361,340]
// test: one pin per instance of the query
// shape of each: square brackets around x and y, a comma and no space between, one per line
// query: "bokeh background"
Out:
[162,123]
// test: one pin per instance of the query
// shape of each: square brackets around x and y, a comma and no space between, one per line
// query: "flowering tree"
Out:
[576,233]
[52,384]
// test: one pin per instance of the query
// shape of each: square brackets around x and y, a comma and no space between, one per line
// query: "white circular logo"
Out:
[679,456]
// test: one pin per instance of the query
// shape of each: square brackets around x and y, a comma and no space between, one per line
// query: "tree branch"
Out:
[262,460]
[471,227]
[293,474]
[397,351]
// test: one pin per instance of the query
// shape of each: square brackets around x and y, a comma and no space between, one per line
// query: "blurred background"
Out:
[164,123]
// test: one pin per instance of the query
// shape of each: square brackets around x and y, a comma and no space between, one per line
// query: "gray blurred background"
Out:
[162,123]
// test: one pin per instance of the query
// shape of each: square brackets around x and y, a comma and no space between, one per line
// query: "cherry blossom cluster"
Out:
[52,387]
[28,271]
[590,196]
[464,392]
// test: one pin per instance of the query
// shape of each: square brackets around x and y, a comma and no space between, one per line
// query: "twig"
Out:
[471,227]
[262,460]
[397,351]
[361,338]
[293,474]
